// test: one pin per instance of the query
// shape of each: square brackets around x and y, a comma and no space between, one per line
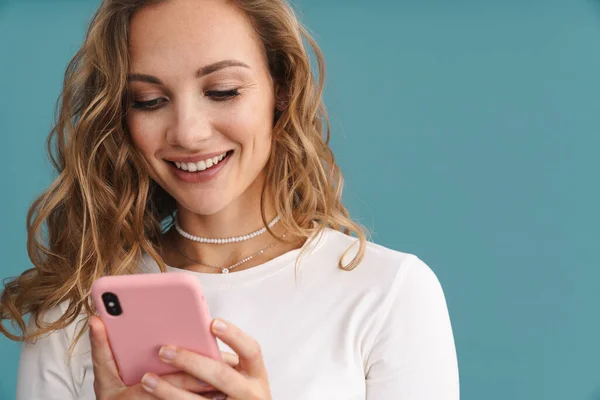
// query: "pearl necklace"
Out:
[233,239]
[225,270]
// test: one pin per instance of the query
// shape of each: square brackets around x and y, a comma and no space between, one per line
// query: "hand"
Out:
[246,381]
[108,384]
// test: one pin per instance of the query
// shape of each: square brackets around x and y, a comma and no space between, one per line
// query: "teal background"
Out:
[468,133]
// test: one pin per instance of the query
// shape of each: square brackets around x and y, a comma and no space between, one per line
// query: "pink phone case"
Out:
[157,309]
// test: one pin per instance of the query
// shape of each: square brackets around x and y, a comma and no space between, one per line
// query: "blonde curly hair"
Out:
[103,210]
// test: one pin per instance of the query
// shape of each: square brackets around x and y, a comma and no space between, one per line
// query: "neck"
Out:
[224,224]
[230,222]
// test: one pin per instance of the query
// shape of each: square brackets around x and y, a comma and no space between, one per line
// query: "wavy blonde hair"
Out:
[103,210]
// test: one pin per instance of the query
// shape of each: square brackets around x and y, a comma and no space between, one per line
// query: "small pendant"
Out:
[225,271]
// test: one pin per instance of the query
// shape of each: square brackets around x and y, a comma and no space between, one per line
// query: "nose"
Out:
[190,125]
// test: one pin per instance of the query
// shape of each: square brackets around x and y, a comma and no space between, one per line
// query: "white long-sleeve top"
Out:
[379,332]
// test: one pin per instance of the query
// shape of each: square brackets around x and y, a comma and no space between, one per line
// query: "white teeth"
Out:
[200,165]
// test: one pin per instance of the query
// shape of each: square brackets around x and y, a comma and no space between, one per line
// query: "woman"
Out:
[191,139]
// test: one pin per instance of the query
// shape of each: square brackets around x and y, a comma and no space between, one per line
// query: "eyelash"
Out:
[217,95]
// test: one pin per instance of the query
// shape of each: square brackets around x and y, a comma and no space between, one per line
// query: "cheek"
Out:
[145,138]
[144,134]
[249,125]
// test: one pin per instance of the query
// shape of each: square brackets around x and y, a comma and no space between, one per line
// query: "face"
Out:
[202,102]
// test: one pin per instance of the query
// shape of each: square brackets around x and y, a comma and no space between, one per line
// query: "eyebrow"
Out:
[207,69]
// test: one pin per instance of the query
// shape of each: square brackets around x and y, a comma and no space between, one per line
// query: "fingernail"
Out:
[219,326]
[167,353]
[149,382]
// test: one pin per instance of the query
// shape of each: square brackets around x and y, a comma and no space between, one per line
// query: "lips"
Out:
[203,164]
[202,170]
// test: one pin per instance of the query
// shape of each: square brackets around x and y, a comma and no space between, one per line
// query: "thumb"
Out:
[106,373]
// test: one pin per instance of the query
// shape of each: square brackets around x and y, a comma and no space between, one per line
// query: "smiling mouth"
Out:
[202,165]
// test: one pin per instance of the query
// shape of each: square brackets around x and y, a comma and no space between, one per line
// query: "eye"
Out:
[148,105]
[223,95]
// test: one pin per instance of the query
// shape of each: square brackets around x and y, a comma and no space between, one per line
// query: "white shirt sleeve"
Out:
[413,356]
[43,370]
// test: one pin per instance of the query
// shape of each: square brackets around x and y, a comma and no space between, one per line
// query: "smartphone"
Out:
[143,312]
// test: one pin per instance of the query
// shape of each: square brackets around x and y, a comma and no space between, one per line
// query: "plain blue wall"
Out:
[469,134]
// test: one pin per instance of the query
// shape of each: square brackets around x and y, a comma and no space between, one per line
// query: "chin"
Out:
[204,206]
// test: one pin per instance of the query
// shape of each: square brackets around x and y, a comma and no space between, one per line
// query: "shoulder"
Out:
[381,266]
[57,342]
[147,264]
[401,299]
[45,365]
[52,315]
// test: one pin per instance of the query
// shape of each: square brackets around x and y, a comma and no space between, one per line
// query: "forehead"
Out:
[191,33]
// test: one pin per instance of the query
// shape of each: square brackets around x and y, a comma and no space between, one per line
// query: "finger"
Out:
[248,349]
[187,382]
[216,373]
[162,389]
[215,395]
[106,372]
[136,392]
[231,359]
